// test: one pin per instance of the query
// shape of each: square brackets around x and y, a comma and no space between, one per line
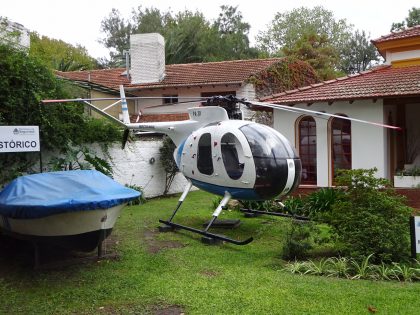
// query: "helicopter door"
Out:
[204,156]
[232,156]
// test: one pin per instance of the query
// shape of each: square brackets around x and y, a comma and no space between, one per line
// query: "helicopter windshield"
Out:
[270,153]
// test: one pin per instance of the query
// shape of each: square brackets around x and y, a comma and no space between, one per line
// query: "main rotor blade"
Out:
[65,100]
[171,104]
[317,113]
[105,114]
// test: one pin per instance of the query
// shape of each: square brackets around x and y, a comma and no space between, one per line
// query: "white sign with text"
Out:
[19,139]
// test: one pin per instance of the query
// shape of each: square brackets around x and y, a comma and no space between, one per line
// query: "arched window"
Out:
[204,157]
[340,145]
[307,149]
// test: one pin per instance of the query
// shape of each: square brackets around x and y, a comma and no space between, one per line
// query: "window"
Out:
[204,158]
[270,154]
[170,99]
[307,149]
[340,145]
[233,166]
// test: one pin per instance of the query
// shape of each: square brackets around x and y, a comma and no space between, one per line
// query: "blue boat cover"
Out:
[41,195]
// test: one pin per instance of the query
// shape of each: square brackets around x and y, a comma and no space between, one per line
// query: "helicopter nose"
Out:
[294,172]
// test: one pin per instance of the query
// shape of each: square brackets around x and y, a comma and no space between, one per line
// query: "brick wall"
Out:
[412,194]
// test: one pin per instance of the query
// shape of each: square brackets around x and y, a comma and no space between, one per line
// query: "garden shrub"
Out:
[370,218]
[318,205]
[168,162]
[266,205]
[295,205]
[299,240]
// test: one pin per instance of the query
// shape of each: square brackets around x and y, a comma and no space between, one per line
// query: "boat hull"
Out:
[81,230]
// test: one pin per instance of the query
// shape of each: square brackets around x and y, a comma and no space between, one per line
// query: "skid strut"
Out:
[169,225]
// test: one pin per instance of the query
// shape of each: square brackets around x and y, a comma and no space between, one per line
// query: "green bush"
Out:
[295,205]
[299,240]
[370,218]
[168,163]
[318,205]
[266,205]
[349,268]
[24,82]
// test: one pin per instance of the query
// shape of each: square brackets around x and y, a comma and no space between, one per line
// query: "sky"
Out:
[79,21]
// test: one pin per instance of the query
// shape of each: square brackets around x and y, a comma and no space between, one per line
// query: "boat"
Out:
[73,209]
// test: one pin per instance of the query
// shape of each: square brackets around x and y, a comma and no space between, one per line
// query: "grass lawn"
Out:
[172,273]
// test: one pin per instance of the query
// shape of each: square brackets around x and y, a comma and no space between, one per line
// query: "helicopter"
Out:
[219,152]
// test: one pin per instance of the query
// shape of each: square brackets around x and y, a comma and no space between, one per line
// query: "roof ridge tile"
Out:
[386,81]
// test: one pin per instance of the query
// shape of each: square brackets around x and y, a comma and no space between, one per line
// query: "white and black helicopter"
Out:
[222,154]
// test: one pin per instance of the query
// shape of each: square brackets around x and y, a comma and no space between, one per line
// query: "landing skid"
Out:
[208,238]
[207,234]
[278,214]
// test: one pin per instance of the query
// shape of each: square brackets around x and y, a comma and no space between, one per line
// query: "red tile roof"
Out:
[381,82]
[192,74]
[407,33]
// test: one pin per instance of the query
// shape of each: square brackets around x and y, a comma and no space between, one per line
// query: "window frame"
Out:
[347,153]
[309,154]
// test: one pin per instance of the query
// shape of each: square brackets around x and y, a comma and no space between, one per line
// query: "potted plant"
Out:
[408,178]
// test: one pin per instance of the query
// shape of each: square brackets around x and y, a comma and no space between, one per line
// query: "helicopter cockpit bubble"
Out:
[277,166]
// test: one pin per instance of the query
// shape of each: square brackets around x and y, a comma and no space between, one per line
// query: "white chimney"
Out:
[147,58]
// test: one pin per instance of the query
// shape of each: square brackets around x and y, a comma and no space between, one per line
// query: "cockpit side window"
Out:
[204,156]
[233,165]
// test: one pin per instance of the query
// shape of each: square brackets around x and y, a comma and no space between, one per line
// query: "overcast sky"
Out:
[78,21]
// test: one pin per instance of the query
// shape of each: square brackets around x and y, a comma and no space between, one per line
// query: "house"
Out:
[388,94]
[14,33]
[176,85]
[183,84]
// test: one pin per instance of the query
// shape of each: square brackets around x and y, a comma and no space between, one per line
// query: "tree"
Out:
[288,30]
[233,35]
[361,53]
[189,36]
[318,52]
[24,82]
[59,55]
[117,31]
[411,20]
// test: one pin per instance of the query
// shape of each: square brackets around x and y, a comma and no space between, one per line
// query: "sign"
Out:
[19,139]
[415,235]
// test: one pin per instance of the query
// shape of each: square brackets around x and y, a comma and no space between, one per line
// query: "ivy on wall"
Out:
[287,74]
[24,82]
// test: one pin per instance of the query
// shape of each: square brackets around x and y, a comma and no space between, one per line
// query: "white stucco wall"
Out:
[132,166]
[401,55]
[21,35]
[368,142]
[247,91]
